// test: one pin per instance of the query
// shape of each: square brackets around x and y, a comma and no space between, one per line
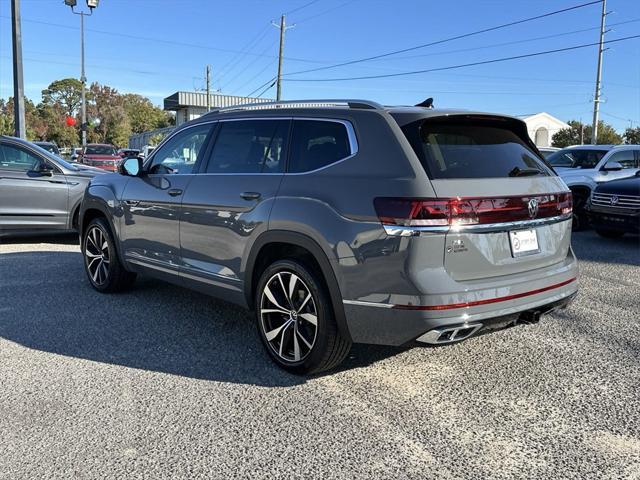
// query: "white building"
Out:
[191,105]
[542,127]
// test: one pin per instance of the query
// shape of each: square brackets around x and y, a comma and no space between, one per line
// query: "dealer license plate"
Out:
[524,242]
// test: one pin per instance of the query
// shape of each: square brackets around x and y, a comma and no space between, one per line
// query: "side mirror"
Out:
[44,169]
[612,166]
[131,167]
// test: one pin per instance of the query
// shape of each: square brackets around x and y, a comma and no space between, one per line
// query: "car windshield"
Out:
[100,150]
[576,158]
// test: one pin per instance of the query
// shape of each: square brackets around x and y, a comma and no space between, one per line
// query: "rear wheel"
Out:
[609,233]
[580,219]
[101,262]
[295,319]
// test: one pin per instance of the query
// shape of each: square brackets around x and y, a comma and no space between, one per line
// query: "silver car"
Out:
[39,191]
[342,221]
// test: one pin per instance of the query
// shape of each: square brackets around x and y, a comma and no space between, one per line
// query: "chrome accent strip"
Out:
[329,103]
[433,336]
[405,231]
[368,304]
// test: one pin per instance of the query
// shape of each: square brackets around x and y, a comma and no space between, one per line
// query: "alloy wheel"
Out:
[97,255]
[288,316]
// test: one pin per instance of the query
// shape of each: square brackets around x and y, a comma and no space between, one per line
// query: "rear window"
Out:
[576,158]
[472,149]
[317,143]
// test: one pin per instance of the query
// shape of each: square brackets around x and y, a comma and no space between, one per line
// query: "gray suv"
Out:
[342,221]
[39,191]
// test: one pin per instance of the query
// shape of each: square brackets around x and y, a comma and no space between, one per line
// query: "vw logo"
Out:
[533,208]
[614,200]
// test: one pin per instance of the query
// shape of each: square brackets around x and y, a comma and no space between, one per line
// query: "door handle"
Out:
[174,192]
[251,195]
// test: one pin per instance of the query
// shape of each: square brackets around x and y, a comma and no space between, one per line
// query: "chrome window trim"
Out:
[368,304]
[405,231]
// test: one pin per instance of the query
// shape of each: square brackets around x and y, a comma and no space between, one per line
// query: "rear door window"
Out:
[626,158]
[318,143]
[472,149]
[250,146]
[576,158]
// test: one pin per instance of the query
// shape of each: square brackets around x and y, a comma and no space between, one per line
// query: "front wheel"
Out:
[101,262]
[295,319]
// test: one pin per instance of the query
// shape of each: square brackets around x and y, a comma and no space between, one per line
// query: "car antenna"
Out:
[428,103]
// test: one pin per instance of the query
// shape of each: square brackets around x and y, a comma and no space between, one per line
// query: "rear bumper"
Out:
[499,301]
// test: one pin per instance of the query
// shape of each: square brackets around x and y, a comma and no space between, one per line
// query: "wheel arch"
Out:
[296,241]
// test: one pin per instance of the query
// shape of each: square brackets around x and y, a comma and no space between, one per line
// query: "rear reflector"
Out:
[470,211]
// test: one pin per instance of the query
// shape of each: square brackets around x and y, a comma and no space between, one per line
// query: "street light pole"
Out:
[18,79]
[83,80]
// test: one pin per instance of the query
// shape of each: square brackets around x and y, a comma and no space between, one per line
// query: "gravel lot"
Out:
[165,383]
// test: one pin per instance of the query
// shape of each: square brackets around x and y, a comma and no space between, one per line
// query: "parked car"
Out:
[347,222]
[614,207]
[76,154]
[39,191]
[100,155]
[582,167]
[128,152]
[547,151]
[146,151]
[49,147]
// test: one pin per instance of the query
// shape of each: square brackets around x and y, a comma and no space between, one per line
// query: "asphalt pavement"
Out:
[162,382]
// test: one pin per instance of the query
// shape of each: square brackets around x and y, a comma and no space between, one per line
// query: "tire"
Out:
[299,331]
[101,262]
[609,233]
[580,219]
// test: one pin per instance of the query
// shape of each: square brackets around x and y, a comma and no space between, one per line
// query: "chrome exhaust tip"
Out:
[457,333]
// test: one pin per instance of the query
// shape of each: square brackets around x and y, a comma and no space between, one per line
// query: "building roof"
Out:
[181,100]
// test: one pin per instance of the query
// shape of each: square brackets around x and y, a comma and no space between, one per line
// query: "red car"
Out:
[101,155]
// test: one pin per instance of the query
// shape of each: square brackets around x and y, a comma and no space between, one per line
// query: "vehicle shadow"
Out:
[155,326]
[590,246]
[64,238]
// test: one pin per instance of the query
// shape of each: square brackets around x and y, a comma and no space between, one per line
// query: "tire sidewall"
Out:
[113,256]
[323,308]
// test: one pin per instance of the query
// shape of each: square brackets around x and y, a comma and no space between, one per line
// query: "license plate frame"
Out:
[524,242]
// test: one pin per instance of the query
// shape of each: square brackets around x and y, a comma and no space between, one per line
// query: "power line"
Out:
[266,89]
[462,65]
[230,81]
[306,19]
[271,81]
[270,64]
[231,64]
[457,37]
[301,7]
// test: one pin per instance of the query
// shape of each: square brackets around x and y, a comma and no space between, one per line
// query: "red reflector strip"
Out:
[484,302]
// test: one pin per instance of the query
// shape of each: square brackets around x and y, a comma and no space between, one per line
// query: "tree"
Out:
[632,136]
[144,115]
[66,92]
[571,136]
[107,106]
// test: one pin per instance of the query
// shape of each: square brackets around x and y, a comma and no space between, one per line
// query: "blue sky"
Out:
[156,47]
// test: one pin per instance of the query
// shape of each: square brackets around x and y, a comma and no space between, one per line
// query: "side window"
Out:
[179,154]
[250,146]
[316,144]
[624,158]
[16,159]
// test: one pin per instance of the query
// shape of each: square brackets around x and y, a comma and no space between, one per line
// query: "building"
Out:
[191,105]
[542,127]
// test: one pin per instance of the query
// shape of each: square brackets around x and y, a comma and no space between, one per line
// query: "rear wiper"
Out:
[524,172]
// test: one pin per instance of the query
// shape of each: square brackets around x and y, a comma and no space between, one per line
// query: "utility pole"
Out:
[283,27]
[596,99]
[18,79]
[83,80]
[208,88]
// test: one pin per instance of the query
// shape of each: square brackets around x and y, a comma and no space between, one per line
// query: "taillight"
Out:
[452,212]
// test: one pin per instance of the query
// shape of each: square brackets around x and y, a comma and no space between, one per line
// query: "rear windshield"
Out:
[574,158]
[472,149]
[100,150]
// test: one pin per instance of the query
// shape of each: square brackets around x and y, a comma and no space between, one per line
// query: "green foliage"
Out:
[66,93]
[119,115]
[572,135]
[632,136]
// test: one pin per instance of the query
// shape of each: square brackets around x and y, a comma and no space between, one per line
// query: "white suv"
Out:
[582,167]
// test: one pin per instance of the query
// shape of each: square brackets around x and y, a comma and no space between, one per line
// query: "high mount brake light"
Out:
[451,212]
